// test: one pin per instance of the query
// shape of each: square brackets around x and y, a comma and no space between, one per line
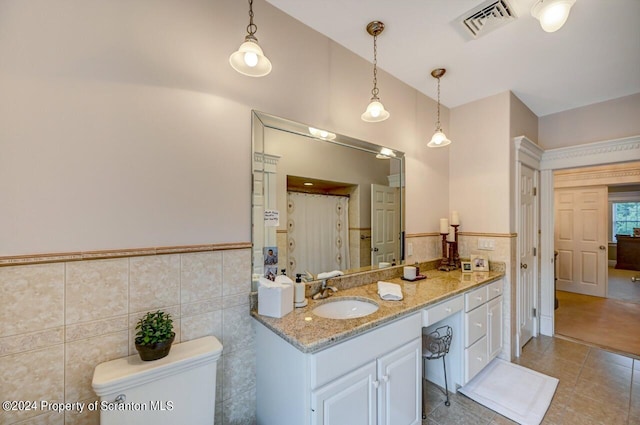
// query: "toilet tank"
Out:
[177,389]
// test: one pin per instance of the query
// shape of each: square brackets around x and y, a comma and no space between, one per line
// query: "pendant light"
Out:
[439,139]
[249,59]
[375,111]
[552,14]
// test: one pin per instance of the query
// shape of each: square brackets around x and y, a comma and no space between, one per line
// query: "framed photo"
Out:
[479,263]
[636,231]
[465,266]
[270,262]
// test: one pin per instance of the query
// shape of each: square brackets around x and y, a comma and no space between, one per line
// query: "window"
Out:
[624,217]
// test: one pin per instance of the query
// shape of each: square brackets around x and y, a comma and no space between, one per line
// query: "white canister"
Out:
[409,272]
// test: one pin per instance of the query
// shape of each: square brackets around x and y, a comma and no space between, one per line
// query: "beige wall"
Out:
[124,126]
[479,164]
[609,120]
[523,122]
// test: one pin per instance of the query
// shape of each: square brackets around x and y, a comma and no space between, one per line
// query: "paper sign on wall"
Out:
[271,218]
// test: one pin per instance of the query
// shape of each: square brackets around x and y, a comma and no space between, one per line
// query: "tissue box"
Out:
[275,302]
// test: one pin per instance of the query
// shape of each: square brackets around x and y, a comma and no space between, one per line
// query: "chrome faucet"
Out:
[324,291]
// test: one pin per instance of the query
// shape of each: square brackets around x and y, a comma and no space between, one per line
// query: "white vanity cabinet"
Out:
[366,395]
[482,327]
[353,382]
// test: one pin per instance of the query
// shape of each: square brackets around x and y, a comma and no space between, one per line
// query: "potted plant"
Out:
[154,335]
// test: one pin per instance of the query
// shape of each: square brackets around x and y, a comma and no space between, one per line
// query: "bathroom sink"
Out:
[345,308]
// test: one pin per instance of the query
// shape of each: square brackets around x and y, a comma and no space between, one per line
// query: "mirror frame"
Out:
[260,121]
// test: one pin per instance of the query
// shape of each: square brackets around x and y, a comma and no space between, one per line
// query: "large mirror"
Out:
[323,201]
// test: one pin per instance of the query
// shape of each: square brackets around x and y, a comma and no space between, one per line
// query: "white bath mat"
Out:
[522,395]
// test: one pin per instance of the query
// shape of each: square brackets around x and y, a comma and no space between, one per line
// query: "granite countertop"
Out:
[310,333]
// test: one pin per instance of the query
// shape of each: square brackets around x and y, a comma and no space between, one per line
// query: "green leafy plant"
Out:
[154,327]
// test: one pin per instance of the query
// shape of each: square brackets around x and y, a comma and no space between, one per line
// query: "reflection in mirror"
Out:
[323,201]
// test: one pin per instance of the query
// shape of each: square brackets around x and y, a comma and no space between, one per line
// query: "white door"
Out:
[494,327]
[385,231]
[528,242]
[581,240]
[351,399]
[399,373]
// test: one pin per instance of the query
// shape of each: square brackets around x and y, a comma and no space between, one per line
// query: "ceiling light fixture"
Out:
[552,14]
[322,134]
[386,153]
[439,139]
[249,58]
[375,111]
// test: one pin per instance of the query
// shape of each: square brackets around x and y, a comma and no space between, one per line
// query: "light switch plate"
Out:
[486,244]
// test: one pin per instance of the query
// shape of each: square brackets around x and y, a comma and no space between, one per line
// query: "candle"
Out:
[444,226]
[455,218]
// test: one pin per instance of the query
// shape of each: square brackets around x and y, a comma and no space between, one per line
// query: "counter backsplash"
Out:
[353,280]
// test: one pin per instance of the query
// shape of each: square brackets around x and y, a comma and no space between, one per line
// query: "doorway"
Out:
[616,154]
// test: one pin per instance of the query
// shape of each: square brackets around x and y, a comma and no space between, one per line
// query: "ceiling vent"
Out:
[487,16]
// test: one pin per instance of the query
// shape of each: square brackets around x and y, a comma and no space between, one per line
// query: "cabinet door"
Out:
[399,373]
[494,327]
[350,399]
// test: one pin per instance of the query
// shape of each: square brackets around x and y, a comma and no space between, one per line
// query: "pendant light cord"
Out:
[251,28]
[375,90]
[438,122]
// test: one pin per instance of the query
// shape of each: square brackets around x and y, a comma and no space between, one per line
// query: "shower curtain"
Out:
[317,233]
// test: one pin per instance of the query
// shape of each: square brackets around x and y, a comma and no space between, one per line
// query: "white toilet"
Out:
[178,389]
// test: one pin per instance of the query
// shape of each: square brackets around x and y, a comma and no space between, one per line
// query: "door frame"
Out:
[527,154]
[590,154]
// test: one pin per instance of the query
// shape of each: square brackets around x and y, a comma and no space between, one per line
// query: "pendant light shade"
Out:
[552,14]
[439,139]
[249,59]
[375,111]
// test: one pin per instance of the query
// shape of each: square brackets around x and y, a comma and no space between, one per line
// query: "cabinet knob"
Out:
[376,384]
[479,359]
[385,378]
[479,298]
[448,310]
[478,324]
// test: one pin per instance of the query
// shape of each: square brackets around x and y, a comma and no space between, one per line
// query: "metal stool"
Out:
[436,345]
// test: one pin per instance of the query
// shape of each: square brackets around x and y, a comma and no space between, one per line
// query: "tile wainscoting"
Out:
[60,319]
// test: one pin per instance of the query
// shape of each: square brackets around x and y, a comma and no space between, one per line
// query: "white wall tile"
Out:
[33,375]
[201,276]
[96,290]
[154,282]
[32,298]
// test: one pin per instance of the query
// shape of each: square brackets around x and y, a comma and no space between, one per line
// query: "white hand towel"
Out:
[389,291]
[329,275]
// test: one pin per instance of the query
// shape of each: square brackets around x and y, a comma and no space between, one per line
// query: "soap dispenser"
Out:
[299,299]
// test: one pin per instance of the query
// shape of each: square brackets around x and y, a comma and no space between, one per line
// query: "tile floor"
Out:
[596,387]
